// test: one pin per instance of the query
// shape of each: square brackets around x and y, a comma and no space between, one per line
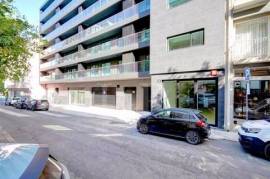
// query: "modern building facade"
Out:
[97,53]
[130,54]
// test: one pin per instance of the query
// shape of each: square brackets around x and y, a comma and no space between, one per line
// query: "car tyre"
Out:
[143,128]
[193,137]
[267,151]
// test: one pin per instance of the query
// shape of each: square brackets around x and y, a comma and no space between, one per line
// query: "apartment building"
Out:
[199,50]
[100,53]
[97,53]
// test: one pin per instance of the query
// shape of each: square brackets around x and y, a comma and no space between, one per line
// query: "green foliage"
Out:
[18,39]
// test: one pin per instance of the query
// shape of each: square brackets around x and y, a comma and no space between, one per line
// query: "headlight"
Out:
[253,130]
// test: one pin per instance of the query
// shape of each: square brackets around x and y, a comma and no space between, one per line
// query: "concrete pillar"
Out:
[80,47]
[128,57]
[81,67]
[120,98]
[127,30]
[228,117]
[57,10]
[80,28]
[57,55]
[128,3]
[57,40]
[58,71]
[57,25]
[80,9]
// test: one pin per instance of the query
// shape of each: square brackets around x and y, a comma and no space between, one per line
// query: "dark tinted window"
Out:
[163,114]
[180,115]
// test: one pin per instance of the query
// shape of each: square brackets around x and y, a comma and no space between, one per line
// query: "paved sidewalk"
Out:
[220,134]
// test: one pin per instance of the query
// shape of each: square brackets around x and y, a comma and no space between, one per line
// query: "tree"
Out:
[17,40]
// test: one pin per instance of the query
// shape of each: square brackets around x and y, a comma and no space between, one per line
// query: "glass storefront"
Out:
[258,100]
[194,94]
[77,97]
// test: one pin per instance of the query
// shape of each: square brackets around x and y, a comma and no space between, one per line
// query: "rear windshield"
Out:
[200,116]
[43,101]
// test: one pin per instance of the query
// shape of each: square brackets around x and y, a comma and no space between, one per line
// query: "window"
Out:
[180,115]
[163,114]
[174,3]
[186,40]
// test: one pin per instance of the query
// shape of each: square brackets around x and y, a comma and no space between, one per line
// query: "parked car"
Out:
[186,123]
[32,161]
[14,101]
[254,136]
[22,103]
[38,104]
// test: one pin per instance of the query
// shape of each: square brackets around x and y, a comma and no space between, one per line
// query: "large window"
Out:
[186,40]
[104,96]
[258,100]
[173,3]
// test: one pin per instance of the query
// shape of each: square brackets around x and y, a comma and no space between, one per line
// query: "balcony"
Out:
[242,5]
[58,16]
[111,48]
[51,8]
[91,11]
[252,41]
[251,51]
[115,72]
[125,17]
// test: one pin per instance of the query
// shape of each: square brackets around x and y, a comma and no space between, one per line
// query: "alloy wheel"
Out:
[193,137]
[143,128]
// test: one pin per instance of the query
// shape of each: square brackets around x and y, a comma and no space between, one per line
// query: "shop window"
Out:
[258,100]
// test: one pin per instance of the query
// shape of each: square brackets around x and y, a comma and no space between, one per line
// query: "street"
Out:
[98,147]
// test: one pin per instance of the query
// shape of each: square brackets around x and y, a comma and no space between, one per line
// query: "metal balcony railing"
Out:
[133,11]
[141,67]
[142,37]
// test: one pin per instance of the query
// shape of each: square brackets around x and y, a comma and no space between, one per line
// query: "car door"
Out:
[160,121]
[179,123]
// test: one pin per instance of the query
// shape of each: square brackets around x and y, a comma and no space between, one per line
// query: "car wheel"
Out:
[267,151]
[143,128]
[193,137]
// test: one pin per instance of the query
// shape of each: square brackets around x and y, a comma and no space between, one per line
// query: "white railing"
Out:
[81,17]
[90,53]
[141,67]
[251,48]
[135,10]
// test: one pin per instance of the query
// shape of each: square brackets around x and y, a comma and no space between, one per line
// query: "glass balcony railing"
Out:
[142,37]
[133,11]
[142,67]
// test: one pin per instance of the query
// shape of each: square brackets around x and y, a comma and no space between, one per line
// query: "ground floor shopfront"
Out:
[199,90]
[128,94]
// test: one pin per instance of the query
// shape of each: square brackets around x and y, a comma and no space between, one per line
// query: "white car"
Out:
[254,136]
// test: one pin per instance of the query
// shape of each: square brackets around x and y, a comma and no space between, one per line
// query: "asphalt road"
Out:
[96,147]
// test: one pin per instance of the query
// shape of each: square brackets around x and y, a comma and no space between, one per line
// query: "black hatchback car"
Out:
[177,122]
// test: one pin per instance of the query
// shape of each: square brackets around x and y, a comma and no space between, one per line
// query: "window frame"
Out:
[190,40]
[171,7]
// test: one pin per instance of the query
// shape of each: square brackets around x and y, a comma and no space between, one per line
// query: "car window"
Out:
[180,115]
[163,114]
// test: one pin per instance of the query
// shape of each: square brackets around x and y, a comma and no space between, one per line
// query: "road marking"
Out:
[13,113]
[57,127]
[52,114]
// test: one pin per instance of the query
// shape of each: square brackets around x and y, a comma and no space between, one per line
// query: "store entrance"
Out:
[195,94]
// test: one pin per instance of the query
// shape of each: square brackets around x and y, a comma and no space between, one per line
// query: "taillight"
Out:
[200,123]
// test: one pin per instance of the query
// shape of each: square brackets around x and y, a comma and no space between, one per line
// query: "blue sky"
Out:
[29,8]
